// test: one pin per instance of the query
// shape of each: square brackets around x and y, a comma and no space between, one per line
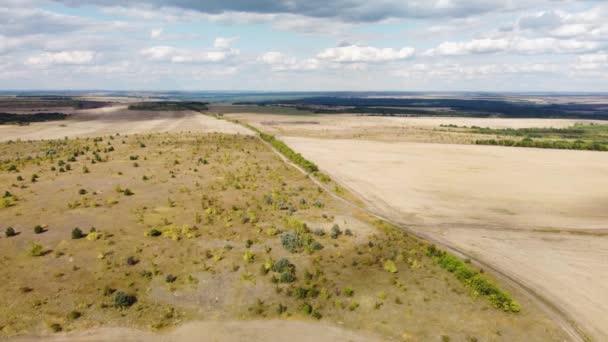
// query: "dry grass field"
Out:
[536,215]
[212,227]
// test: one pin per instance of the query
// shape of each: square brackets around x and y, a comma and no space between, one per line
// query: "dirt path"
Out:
[554,265]
[271,330]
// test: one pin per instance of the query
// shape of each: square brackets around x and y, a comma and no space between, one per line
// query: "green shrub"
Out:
[290,241]
[123,300]
[170,278]
[38,229]
[128,192]
[287,277]
[73,315]
[77,234]
[283,265]
[306,309]
[335,231]
[10,231]
[131,261]
[349,292]
[56,327]
[155,232]
[35,249]
[389,266]
[301,238]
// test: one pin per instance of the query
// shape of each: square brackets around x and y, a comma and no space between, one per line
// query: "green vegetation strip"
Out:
[473,279]
[591,137]
[550,144]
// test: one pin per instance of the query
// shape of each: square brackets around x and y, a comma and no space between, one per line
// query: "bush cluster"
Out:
[286,269]
[294,242]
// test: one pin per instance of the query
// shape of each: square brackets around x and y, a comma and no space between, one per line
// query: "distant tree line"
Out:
[170,106]
[9,118]
[461,107]
[550,144]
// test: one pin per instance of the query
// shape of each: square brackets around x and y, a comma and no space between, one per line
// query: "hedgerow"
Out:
[473,279]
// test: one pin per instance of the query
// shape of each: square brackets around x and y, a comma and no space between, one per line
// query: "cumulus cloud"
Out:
[61,58]
[365,54]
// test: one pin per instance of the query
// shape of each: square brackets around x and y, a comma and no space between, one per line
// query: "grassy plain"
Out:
[183,227]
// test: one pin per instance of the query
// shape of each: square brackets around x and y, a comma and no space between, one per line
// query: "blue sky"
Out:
[408,45]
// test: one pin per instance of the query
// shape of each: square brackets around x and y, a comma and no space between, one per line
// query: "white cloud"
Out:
[156,33]
[61,58]
[591,61]
[456,71]
[514,45]
[224,43]
[175,55]
[364,54]
[280,62]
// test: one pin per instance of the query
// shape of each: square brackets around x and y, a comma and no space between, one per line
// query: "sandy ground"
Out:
[119,119]
[277,330]
[491,202]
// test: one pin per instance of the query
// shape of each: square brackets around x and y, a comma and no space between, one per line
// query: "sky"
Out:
[305,45]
